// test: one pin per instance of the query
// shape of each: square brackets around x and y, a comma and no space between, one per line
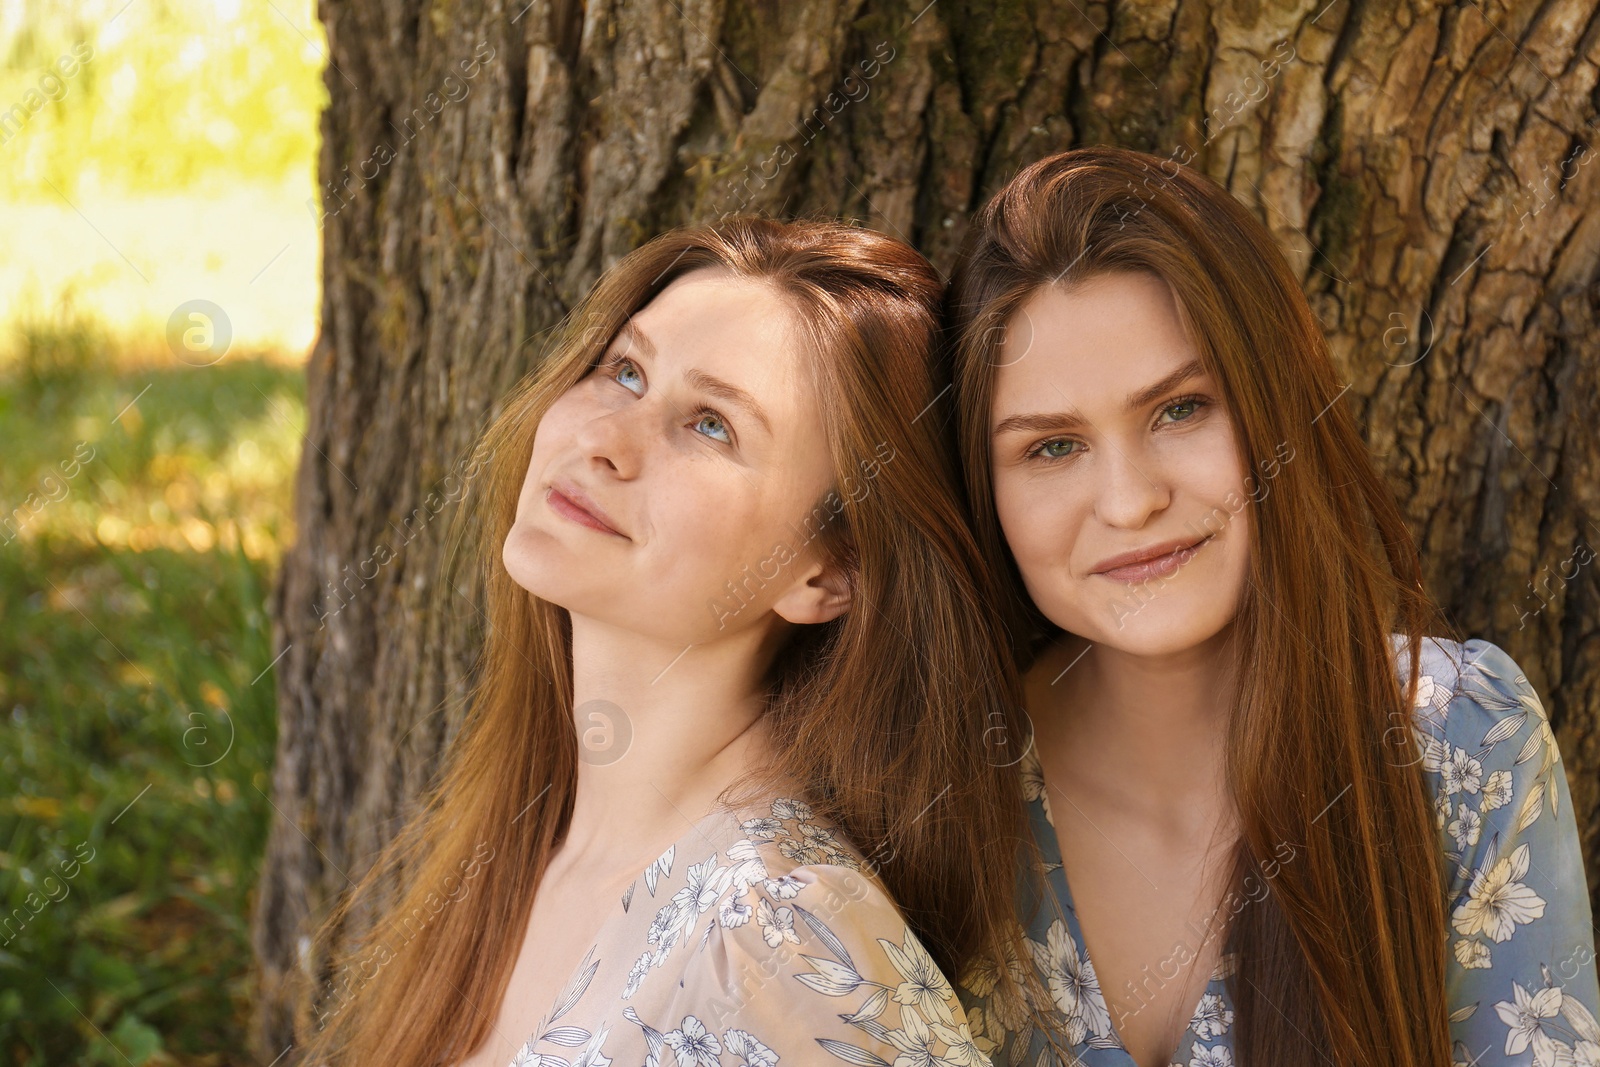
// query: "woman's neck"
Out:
[1144,735]
[661,733]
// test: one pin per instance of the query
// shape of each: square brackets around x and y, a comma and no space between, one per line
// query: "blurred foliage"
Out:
[163,95]
[135,560]
[143,507]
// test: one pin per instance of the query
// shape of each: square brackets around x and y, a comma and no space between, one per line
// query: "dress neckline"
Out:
[1050,849]
[656,871]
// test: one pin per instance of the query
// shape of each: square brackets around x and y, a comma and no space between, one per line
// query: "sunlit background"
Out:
[153,154]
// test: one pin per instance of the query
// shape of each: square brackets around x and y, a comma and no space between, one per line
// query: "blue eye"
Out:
[625,367]
[709,420]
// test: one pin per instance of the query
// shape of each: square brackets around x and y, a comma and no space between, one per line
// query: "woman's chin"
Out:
[1157,629]
[538,572]
[537,561]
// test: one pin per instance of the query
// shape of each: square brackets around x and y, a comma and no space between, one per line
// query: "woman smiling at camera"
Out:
[1287,825]
[734,694]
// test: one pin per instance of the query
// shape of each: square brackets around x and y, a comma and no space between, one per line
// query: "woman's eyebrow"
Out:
[698,378]
[636,338]
[710,383]
[1070,416]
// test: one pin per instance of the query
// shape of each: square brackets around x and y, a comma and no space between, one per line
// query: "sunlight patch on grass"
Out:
[130,261]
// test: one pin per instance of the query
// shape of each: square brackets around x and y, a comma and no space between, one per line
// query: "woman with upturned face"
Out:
[728,794]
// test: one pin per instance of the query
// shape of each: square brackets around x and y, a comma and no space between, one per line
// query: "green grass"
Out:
[137,708]
[143,507]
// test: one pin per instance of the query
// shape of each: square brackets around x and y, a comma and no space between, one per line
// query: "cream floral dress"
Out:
[1520,979]
[759,939]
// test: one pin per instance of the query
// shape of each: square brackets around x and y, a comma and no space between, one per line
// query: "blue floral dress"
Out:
[1520,979]
[761,938]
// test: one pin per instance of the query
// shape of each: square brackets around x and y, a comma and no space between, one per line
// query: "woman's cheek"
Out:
[561,420]
[1224,462]
[1006,511]
[701,524]
[1025,521]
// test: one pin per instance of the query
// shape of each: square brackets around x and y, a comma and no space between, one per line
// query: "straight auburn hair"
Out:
[889,712]
[1345,955]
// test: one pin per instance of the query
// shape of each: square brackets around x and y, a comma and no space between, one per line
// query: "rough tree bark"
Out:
[1425,167]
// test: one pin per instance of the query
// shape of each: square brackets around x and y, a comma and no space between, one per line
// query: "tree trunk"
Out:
[1424,168]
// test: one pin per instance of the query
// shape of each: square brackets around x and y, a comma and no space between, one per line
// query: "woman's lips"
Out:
[567,509]
[1160,567]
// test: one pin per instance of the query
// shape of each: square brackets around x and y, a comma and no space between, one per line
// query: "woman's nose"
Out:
[1132,487]
[613,438]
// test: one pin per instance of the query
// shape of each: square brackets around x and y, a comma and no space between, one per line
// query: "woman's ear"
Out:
[822,597]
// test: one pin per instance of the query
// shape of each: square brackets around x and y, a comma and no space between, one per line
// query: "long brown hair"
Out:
[1346,955]
[889,712]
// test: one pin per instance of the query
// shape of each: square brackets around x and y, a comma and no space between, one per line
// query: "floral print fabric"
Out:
[759,939]
[1520,971]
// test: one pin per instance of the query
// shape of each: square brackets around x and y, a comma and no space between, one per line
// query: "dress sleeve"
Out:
[1001,1028]
[1520,974]
[816,968]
